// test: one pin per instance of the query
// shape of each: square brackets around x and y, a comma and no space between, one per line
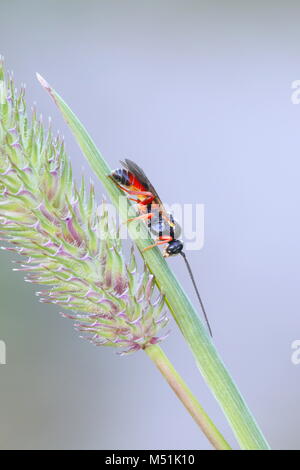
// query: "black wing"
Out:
[139,173]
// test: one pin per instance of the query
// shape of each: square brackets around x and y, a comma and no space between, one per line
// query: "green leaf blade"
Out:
[207,358]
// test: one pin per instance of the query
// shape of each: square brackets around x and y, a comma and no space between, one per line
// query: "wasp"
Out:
[133,181]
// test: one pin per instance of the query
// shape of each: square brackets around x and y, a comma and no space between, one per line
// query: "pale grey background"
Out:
[198,93]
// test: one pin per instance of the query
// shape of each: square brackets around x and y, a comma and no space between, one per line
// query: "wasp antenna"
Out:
[196,290]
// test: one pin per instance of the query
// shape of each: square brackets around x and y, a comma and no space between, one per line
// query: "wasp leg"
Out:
[160,241]
[169,221]
[149,208]
[140,217]
[134,200]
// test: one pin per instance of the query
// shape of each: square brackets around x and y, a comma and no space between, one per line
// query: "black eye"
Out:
[174,247]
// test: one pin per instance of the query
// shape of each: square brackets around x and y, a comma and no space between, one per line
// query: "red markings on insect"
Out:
[132,180]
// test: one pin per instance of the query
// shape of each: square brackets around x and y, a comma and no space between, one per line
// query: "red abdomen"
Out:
[127,179]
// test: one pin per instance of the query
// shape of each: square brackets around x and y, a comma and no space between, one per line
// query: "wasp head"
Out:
[174,248]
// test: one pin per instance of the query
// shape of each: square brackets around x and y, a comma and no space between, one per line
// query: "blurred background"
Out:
[199,94]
